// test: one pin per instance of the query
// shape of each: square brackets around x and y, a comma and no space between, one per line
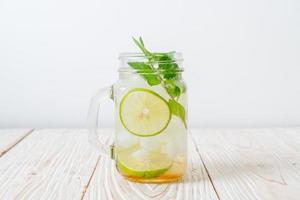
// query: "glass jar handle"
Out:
[103,94]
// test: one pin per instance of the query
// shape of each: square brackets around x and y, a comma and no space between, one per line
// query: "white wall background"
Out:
[242,57]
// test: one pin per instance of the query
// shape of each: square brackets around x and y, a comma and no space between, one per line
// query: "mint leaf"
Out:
[172,89]
[178,110]
[141,41]
[168,66]
[175,87]
[146,72]
[140,44]
[180,85]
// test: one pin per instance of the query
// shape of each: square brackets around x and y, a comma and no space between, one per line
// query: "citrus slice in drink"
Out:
[144,113]
[153,165]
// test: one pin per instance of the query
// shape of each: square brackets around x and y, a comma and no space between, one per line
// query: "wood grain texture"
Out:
[107,184]
[252,164]
[48,164]
[242,164]
[10,137]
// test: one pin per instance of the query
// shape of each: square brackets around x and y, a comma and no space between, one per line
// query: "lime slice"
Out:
[154,165]
[144,112]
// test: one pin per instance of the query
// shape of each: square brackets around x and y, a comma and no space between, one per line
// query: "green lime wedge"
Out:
[144,112]
[154,165]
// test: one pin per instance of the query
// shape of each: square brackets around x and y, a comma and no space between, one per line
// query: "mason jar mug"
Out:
[150,99]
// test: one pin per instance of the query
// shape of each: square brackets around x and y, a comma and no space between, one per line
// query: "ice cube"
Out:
[134,82]
[175,128]
[126,139]
[140,154]
[174,138]
[169,149]
[150,144]
[181,143]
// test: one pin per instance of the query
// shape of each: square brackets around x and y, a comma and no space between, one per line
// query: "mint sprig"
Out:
[178,110]
[165,73]
[146,71]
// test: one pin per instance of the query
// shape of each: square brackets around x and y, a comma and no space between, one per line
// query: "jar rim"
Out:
[126,57]
[177,56]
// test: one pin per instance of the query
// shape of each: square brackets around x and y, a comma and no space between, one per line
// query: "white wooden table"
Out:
[242,164]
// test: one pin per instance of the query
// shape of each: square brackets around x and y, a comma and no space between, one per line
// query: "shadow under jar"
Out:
[150,101]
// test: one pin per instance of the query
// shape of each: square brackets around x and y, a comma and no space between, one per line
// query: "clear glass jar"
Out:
[150,100]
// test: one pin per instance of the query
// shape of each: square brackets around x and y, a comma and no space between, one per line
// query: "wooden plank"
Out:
[10,137]
[290,137]
[261,164]
[48,164]
[107,184]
